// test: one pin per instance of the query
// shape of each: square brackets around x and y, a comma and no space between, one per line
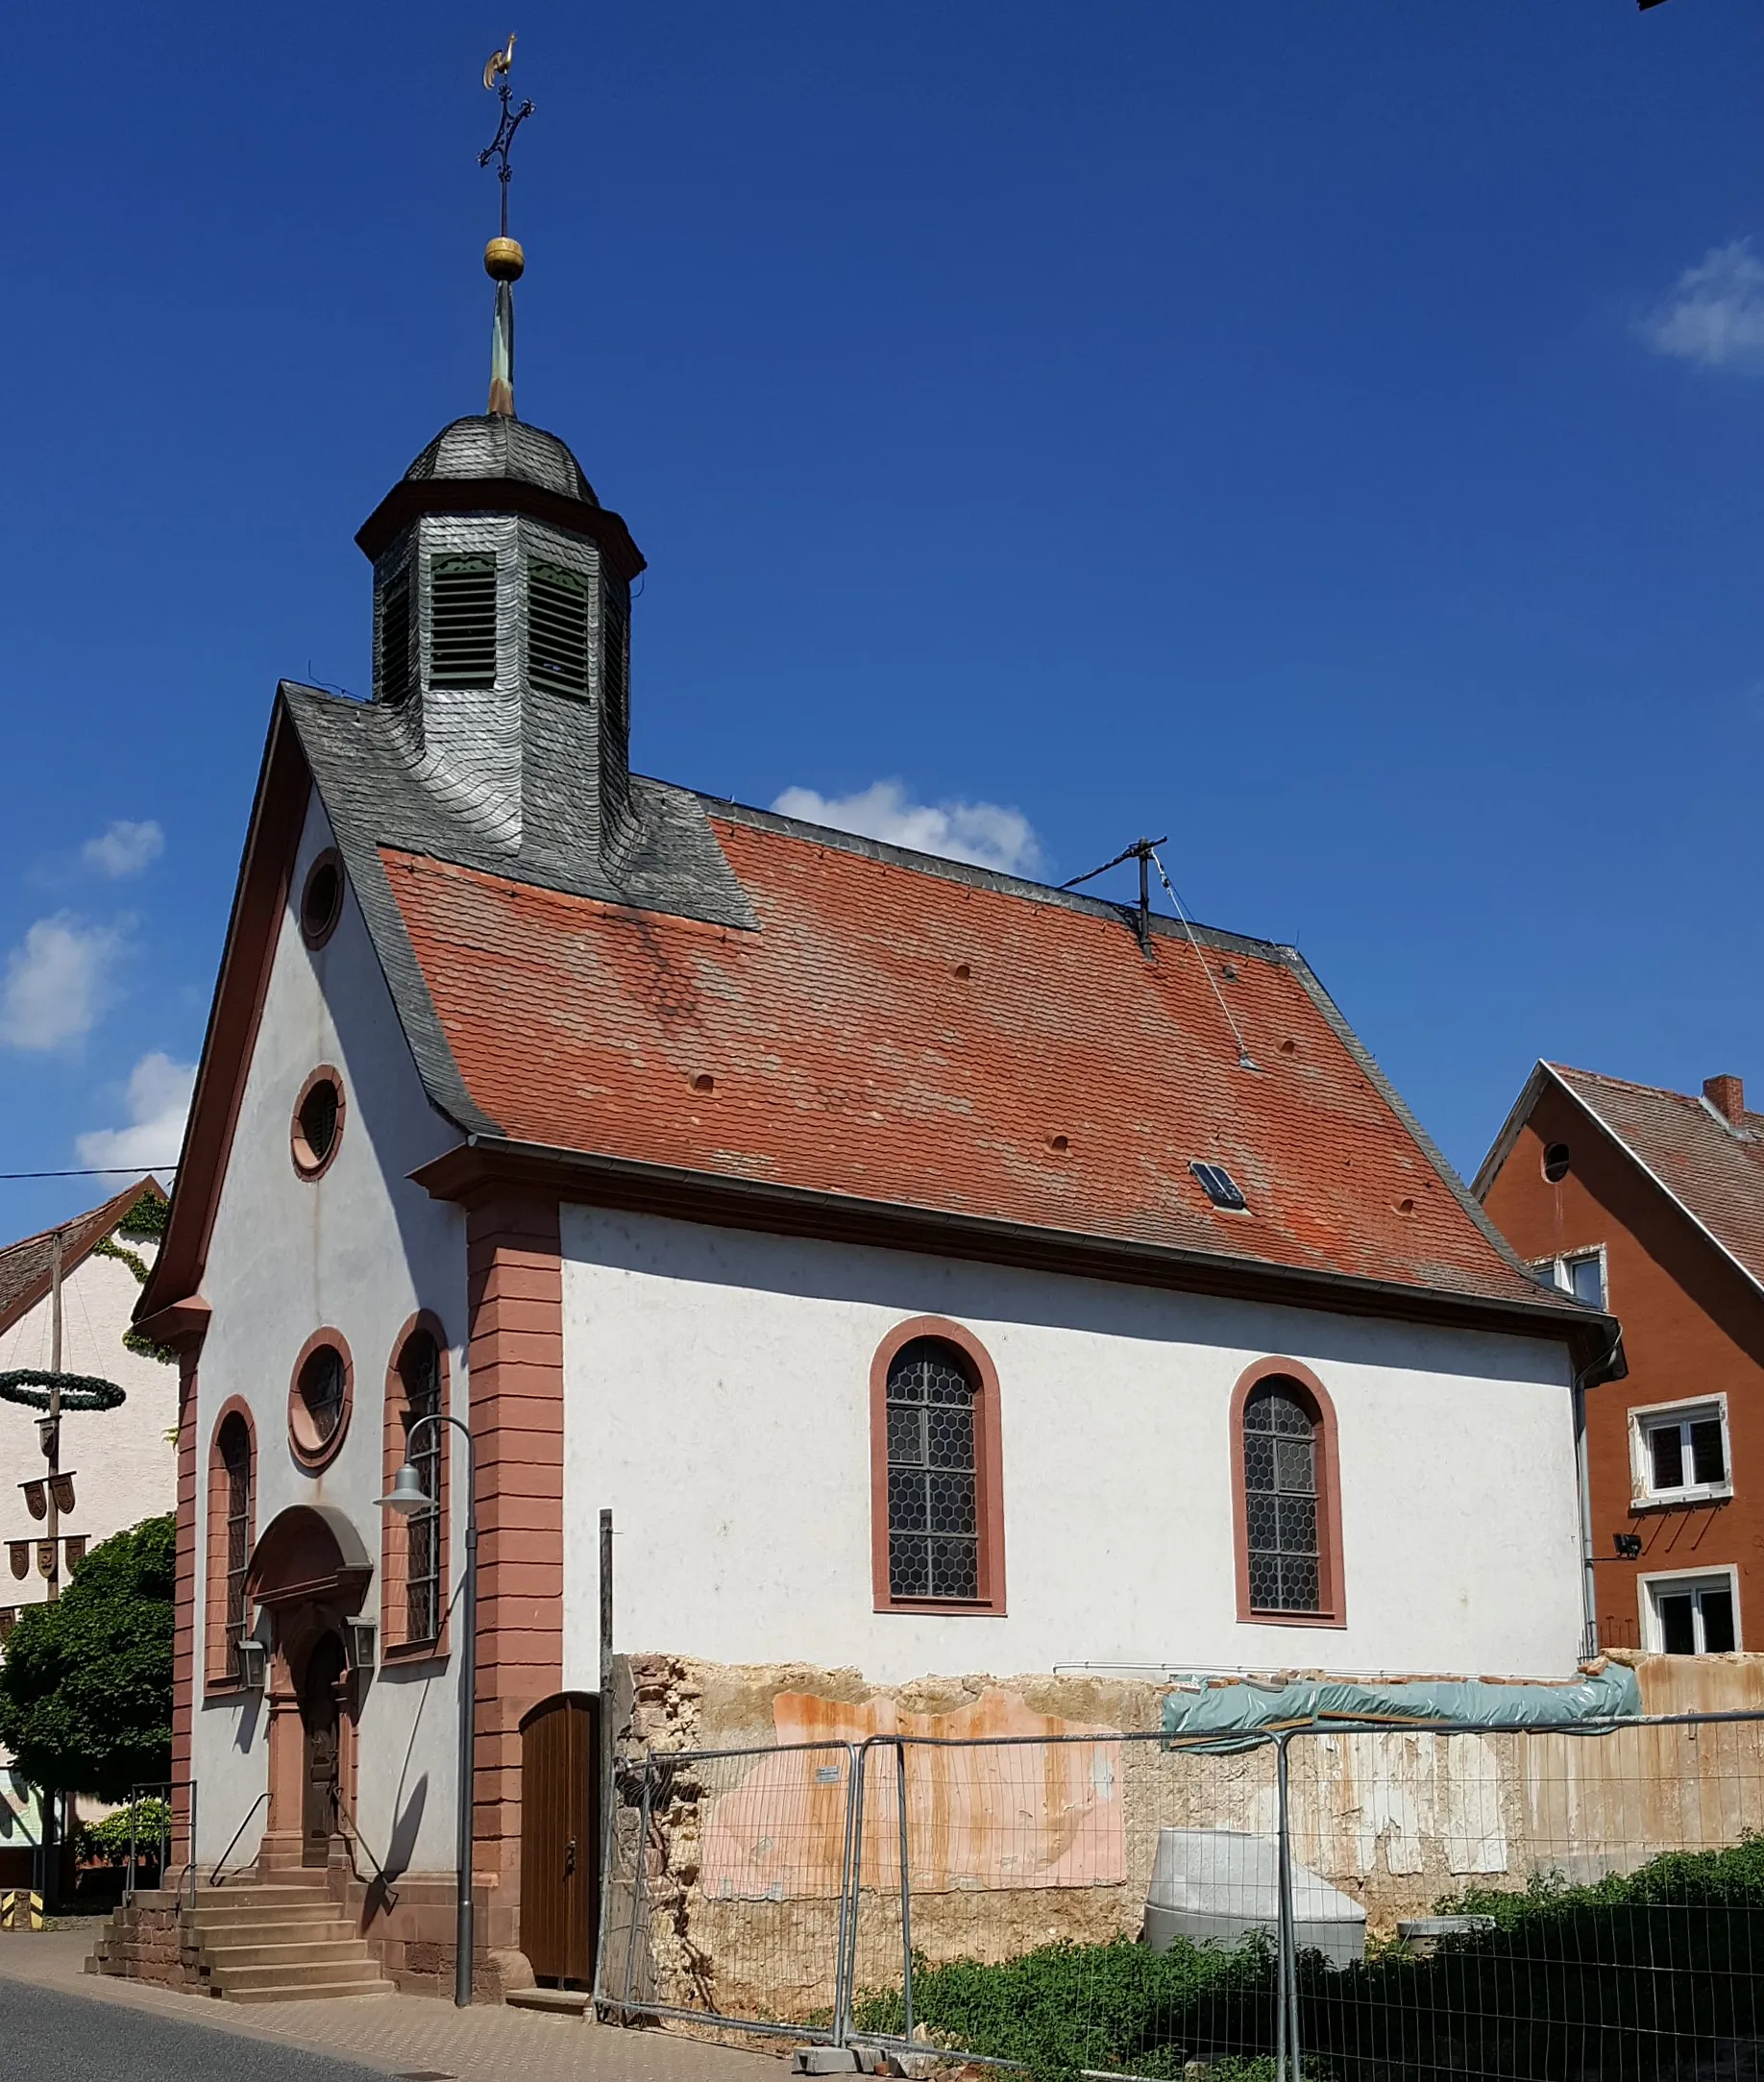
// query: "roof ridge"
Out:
[995,879]
[1624,1083]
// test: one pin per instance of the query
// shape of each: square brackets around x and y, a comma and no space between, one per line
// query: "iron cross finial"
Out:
[497,69]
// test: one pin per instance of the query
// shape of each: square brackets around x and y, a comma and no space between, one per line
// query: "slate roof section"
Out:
[1712,1167]
[847,1053]
[488,445]
[26,1267]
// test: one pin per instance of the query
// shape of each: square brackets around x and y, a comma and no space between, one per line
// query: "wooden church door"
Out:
[560,1837]
[318,1715]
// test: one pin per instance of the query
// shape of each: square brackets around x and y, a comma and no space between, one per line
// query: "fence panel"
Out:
[726,1892]
[1540,1904]
[1107,1903]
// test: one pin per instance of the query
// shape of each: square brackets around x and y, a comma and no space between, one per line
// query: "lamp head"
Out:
[406,1493]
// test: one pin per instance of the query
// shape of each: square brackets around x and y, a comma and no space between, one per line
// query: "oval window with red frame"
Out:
[319,1399]
[317,1128]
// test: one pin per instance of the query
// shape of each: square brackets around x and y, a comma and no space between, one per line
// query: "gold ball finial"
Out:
[503,259]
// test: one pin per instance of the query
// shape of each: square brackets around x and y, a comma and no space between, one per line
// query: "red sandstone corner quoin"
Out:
[989,1481]
[1331,1582]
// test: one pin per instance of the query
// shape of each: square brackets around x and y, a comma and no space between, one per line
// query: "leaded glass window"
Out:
[1280,1501]
[933,1475]
[235,1444]
[420,1368]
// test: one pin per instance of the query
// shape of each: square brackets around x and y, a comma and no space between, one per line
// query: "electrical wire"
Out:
[1245,1060]
[103,1170]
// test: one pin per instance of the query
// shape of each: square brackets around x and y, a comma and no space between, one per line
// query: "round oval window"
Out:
[1556,1162]
[318,1122]
[321,901]
[318,1409]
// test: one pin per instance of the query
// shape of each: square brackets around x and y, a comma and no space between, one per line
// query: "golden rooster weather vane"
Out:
[503,259]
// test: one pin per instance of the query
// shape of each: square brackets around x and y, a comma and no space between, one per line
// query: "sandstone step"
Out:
[566,2001]
[307,1994]
[345,1951]
[250,1917]
[328,1973]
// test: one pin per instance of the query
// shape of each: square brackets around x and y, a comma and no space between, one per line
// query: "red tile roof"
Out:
[1714,1170]
[900,1034]
[26,1266]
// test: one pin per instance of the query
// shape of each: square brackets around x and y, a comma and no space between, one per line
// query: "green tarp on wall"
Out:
[1222,1712]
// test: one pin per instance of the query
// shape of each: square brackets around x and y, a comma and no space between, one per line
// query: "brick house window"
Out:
[1678,1452]
[936,1502]
[1580,1273]
[1691,1615]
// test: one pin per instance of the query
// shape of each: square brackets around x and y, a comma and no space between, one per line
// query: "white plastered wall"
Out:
[360,1250]
[717,1401]
[124,1460]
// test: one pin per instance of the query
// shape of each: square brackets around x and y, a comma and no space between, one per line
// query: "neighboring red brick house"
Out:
[1651,1203]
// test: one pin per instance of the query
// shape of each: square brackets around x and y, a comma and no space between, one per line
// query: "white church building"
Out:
[912,1259]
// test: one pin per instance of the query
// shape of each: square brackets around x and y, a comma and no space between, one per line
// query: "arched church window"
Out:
[1289,1548]
[418,1369]
[937,1503]
[232,1500]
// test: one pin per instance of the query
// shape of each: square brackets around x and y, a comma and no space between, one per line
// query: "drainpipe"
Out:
[1589,1598]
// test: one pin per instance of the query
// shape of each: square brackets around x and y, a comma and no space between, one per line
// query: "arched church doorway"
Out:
[309,1573]
[321,1716]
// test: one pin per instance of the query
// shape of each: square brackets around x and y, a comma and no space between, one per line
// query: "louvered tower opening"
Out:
[462,612]
[396,660]
[557,629]
[615,701]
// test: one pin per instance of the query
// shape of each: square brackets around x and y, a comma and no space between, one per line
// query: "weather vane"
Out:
[503,259]
[497,69]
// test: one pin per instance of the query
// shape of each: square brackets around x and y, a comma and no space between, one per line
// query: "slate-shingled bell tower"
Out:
[502,637]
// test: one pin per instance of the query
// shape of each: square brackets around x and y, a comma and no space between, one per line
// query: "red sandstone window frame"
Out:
[220,1679]
[308,1162]
[314,1457]
[1331,1582]
[989,1477]
[396,1644]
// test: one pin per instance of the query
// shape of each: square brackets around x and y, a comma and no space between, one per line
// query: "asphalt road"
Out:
[55,2038]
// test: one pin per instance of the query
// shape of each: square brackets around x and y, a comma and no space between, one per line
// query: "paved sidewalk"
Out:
[401,2035]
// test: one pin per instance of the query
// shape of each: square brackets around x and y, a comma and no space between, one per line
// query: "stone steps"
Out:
[274,1942]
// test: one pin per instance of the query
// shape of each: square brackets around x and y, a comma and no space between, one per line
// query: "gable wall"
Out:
[717,1392]
[360,1250]
[1692,1324]
[125,1466]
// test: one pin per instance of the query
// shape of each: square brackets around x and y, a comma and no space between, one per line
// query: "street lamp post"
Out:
[408,1496]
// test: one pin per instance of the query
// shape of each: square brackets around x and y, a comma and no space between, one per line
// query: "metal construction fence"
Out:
[1353,1904]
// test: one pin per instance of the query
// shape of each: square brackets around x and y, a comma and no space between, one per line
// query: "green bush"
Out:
[109,1839]
[1649,1976]
[1064,2007]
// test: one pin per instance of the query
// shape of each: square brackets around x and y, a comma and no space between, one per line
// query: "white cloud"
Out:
[1714,316]
[123,848]
[159,1097]
[984,833]
[57,982]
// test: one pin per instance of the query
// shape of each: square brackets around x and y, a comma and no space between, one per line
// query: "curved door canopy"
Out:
[309,1553]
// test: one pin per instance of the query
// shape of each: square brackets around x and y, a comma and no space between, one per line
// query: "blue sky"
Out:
[1330,436]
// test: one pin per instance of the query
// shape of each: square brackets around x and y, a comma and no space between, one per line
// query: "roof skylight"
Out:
[1220,1187]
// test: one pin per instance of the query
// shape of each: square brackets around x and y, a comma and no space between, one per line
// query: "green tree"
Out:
[85,1688]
